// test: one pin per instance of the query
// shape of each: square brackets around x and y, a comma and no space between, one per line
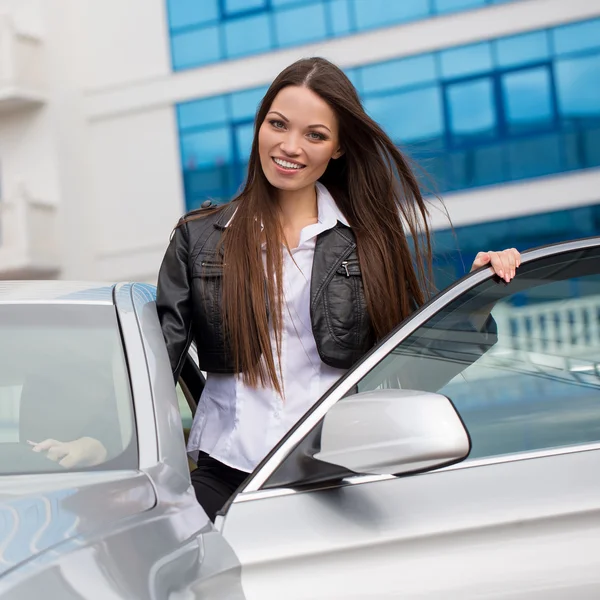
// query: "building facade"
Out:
[116,117]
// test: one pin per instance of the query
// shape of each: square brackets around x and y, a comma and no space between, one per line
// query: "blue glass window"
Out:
[578,86]
[471,108]
[378,13]
[396,73]
[522,232]
[469,115]
[196,47]
[355,77]
[468,60]
[300,25]
[579,36]
[183,13]
[243,140]
[277,3]
[248,35]
[522,49]
[339,16]
[409,116]
[527,99]
[207,111]
[207,148]
[316,20]
[533,156]
[443,6]
[244,104]
[240,6]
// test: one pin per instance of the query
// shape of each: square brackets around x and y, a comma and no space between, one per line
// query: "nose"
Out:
[290,145]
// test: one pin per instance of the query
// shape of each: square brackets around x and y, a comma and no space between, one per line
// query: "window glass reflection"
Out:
[578,86]
[578,36]
[377,13]
[202,112]
[300,25]
[196,47]
[471,109]
[527,99]
[399,73]
[247,36]
[402,114]
[206,148]
[467,60]
[534,156]
[243,139]
[183,13]
[355,76]
[339,16]
[317,19]
[245,104]
[442,6]
[526,381]
[238,6]
[277,3]
[522,49]
[508,123]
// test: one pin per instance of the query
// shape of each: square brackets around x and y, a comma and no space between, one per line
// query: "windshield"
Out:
[65,402]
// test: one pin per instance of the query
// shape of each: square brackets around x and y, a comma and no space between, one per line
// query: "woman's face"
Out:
[297,139]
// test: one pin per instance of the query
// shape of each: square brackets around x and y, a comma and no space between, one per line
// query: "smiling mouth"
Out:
[287,165]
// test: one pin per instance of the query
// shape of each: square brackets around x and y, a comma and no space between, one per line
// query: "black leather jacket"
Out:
[189,296]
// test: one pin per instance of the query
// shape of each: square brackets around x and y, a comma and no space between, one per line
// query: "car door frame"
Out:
[252,488]
[383,538]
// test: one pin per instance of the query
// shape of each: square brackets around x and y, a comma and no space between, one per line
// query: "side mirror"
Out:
[393,432]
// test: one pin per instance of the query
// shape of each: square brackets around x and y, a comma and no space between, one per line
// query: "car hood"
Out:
[40,512]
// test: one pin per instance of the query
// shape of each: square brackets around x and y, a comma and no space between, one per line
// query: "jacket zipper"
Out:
[344,266]
[207,263]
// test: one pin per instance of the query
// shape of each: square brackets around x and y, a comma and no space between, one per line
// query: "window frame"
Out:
[256,485]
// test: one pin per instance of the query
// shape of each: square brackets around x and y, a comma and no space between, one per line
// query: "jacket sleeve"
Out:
[174,298]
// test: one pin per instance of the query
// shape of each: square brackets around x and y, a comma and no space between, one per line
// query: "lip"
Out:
[283,170]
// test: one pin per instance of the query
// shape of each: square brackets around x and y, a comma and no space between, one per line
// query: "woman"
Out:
[285,288]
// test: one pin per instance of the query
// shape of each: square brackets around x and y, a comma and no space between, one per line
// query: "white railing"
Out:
[563,327]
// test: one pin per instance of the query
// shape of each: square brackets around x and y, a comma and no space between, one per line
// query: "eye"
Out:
[315,135]
[277,124]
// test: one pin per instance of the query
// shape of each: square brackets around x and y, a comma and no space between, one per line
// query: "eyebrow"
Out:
[287,120]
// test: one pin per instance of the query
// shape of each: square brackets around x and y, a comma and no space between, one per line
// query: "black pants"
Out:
[214,483]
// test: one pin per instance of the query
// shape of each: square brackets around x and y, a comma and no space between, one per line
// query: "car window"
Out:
[64,381]
[528,378]
[184,408]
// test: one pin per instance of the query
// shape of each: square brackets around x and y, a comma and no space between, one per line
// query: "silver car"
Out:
[459,459]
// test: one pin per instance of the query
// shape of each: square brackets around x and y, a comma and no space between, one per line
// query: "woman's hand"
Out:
[83,452]
[504,263]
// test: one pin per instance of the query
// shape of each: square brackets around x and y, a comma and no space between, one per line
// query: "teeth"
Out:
[287,165]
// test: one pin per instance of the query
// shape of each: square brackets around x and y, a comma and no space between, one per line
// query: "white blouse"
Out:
[238,425]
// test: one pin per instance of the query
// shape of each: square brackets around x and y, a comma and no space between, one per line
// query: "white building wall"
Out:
[103,149]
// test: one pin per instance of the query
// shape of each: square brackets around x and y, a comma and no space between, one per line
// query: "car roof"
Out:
[56,291]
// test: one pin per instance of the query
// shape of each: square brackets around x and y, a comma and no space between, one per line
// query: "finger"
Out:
[517,256]
[496,264]
[69,461]
[45,445]
[511,255]
[507,264]
[57,452]
[482,258]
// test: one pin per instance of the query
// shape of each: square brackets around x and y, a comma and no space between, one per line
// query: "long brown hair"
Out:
[376,190]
